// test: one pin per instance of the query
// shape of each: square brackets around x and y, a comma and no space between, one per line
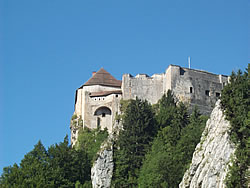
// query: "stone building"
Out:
[97,101]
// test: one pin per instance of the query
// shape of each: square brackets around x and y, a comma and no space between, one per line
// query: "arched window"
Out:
[102,111]
[103,116]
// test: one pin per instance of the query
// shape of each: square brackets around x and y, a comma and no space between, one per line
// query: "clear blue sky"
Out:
[49,48]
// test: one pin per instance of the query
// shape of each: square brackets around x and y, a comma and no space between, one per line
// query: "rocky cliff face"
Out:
[212,155]
[102,170]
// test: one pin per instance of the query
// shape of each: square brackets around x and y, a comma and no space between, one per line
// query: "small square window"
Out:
[103,114]
[217,94]
[207,93]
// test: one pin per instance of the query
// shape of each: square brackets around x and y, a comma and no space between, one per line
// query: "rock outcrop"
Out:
[212,155]
[102,169]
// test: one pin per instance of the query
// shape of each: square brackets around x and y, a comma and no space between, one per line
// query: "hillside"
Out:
[212,155]
[160,145]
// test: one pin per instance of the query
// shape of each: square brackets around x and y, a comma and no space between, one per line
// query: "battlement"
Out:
[143,86]
[191,86]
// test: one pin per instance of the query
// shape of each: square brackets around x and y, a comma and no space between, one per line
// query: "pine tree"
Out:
[172,149]
[165,108]
[60,166]
[133,142]
[235,102]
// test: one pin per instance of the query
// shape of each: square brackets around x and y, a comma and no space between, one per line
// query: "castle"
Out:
[98,100]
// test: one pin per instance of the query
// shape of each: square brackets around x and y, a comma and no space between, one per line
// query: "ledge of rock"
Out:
[212,155]
[102,170]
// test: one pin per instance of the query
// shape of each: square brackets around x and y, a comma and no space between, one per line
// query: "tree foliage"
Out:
[235,101]
[90,141]
[174,145]
[133,142]
[153,149]
[59,166]
[156,144]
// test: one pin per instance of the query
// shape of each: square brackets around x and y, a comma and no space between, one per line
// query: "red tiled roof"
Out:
[102,77]
[105,93]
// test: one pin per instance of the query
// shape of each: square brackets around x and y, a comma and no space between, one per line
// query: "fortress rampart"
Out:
[97,101]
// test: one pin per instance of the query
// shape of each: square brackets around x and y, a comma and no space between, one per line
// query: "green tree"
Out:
[90,141]
[11,177]
[60,166]
[172,149]
[164,109]
[68,164]
[190,137]
[235,101]
[33,170]
[133,142]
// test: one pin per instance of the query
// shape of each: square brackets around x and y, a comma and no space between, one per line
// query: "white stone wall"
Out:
[176,78]
[182,79]
[188,86]
[86,106]
[143,87]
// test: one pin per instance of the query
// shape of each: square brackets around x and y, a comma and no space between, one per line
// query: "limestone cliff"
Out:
[212,155]
[102,169]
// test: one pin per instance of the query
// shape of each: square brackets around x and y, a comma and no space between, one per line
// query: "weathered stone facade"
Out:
[97,101]
[190,86]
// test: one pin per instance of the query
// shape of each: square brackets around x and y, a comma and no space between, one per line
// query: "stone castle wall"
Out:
[196,87]
[193,87]
[143,87]
[190,86]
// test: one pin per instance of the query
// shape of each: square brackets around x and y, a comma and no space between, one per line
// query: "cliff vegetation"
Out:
[236,104]
[154,147]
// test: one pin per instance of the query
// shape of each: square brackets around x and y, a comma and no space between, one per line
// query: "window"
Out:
[116,95]
[182,71]
[98,122]
[191,89]
[207,93]
[103,114]
[217,94]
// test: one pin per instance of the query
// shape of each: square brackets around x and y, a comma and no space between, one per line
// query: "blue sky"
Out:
[49,48]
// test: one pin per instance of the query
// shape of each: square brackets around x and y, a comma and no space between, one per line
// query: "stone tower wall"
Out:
[86,106]
[196,87]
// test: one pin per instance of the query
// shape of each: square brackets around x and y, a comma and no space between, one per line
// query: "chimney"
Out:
[93,73]
[189,62]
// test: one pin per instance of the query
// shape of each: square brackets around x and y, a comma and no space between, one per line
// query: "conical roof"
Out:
[102,77]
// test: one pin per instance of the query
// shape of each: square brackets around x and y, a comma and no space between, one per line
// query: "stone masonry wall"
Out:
[193,87]
[143,87]
[197,87]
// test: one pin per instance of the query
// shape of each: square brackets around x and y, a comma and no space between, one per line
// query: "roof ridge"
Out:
[103,77]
